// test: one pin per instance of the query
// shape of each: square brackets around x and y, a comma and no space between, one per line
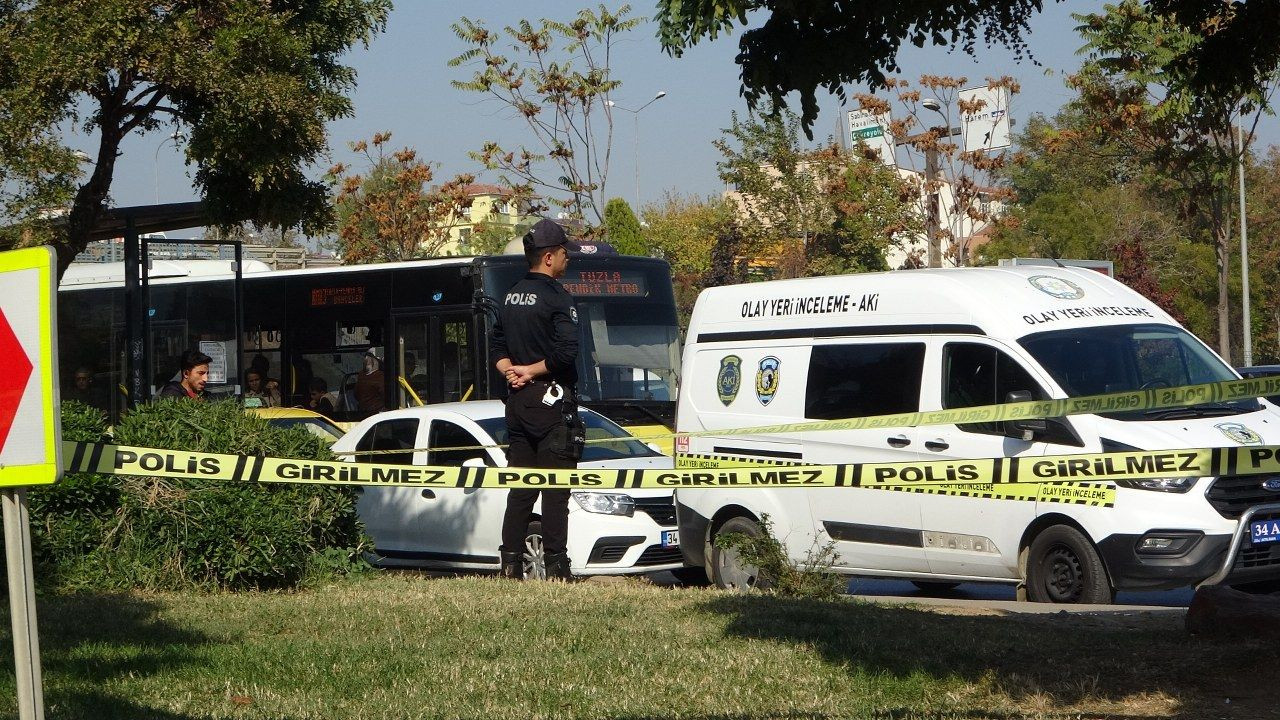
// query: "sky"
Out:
[404,87]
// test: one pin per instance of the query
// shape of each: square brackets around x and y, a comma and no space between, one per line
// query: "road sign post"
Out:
[30,440]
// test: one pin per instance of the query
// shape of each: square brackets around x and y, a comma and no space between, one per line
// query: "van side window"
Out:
[398,434]
[974,374]
[848,381]
[445,434]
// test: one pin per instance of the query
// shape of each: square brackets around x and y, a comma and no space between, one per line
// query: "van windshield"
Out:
[1120,358]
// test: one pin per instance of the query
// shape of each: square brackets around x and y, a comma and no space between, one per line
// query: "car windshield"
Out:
[598,428]
[319,427]
[1120,358]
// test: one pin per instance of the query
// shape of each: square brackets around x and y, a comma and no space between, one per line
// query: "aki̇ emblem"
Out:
[729,378]
[1239,433]
[767,378]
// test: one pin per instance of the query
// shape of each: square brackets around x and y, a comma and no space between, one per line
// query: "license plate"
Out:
[1264,531]
[671,538]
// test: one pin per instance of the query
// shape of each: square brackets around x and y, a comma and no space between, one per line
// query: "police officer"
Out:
[535,347]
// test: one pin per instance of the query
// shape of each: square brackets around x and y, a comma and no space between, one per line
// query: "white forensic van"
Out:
[874,344]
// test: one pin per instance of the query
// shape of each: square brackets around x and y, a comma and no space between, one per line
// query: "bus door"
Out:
[436,355]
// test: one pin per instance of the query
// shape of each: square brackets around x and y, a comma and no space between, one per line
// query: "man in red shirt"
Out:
[195,373]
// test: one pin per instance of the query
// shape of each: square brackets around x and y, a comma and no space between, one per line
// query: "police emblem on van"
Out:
[729,378]
[1057,287]
[1239,433]
[767,378]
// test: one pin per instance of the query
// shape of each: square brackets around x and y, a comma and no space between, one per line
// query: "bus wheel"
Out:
[728,571]
[535,558]
[1063,567]
[937,587]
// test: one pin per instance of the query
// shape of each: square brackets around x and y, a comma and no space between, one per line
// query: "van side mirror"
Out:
[1024,429]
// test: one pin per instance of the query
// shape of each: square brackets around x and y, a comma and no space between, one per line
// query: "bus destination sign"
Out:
[325,297]
[608,283]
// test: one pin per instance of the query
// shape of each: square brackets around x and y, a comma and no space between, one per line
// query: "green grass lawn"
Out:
[405,646]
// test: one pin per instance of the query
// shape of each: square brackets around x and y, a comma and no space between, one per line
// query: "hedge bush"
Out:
[101,531]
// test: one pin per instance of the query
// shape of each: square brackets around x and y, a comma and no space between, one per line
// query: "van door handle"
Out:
[938,445]
[428,494]
[899,441]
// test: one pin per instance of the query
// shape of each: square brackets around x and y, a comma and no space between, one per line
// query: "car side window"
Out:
[977,374]
[445,434]
[848,381]
[399,434]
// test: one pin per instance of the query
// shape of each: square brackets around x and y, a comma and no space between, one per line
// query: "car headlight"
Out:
[1168,484]
[606,503]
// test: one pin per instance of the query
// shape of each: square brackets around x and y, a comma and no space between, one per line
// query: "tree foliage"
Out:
[811,211]
[389,212]
[560,86]
[252,84]
[1138,90]
[803,45]
[621,228]
[686,231]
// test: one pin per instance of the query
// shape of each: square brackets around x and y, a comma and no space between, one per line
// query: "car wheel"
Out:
[535,558]
[1064,567]
[935,587]
[728,571]
[691,576]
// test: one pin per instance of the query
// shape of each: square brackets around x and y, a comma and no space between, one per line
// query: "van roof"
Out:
[1006,302]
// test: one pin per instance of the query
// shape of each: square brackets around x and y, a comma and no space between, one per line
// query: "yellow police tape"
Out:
[1148,399]
[1016,474]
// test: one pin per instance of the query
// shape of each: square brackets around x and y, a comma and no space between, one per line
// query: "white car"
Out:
[609,532]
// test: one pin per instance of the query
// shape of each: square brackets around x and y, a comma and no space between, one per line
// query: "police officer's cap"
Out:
[547,234]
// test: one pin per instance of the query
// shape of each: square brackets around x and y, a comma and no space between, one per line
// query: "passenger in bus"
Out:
[83,390]
[417,380]
[270,385]
[256,393]
[320,401]
[194,373]
[370,386]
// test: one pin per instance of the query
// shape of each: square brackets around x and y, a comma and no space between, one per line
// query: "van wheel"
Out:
[728,571]
[1063,567]
[535,558]
[935,587]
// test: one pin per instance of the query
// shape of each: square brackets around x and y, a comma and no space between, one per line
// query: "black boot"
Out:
[512,565]
[558,567]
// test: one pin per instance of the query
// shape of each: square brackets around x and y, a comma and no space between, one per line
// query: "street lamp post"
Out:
[1244,258]
[636,135]
[155,168]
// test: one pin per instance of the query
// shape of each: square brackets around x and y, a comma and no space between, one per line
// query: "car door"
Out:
[965,533]
[465,523]
[873,529]
[392,514]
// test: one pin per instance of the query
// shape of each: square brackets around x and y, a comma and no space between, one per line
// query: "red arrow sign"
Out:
[15,370]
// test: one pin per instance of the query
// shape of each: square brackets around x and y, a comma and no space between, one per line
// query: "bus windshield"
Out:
[1121,358]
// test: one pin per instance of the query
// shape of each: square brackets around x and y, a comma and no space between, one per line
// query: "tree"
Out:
[388,213]
[687,231]
[1138,91]
[965,187]
[813,211]
[622,229]
[805,44]
[491,238]
[252,84]
[562,93]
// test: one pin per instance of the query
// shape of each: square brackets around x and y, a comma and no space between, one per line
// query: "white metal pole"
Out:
[1244,260]
[22,604]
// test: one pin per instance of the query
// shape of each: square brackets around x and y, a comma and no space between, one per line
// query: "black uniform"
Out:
[538,322]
